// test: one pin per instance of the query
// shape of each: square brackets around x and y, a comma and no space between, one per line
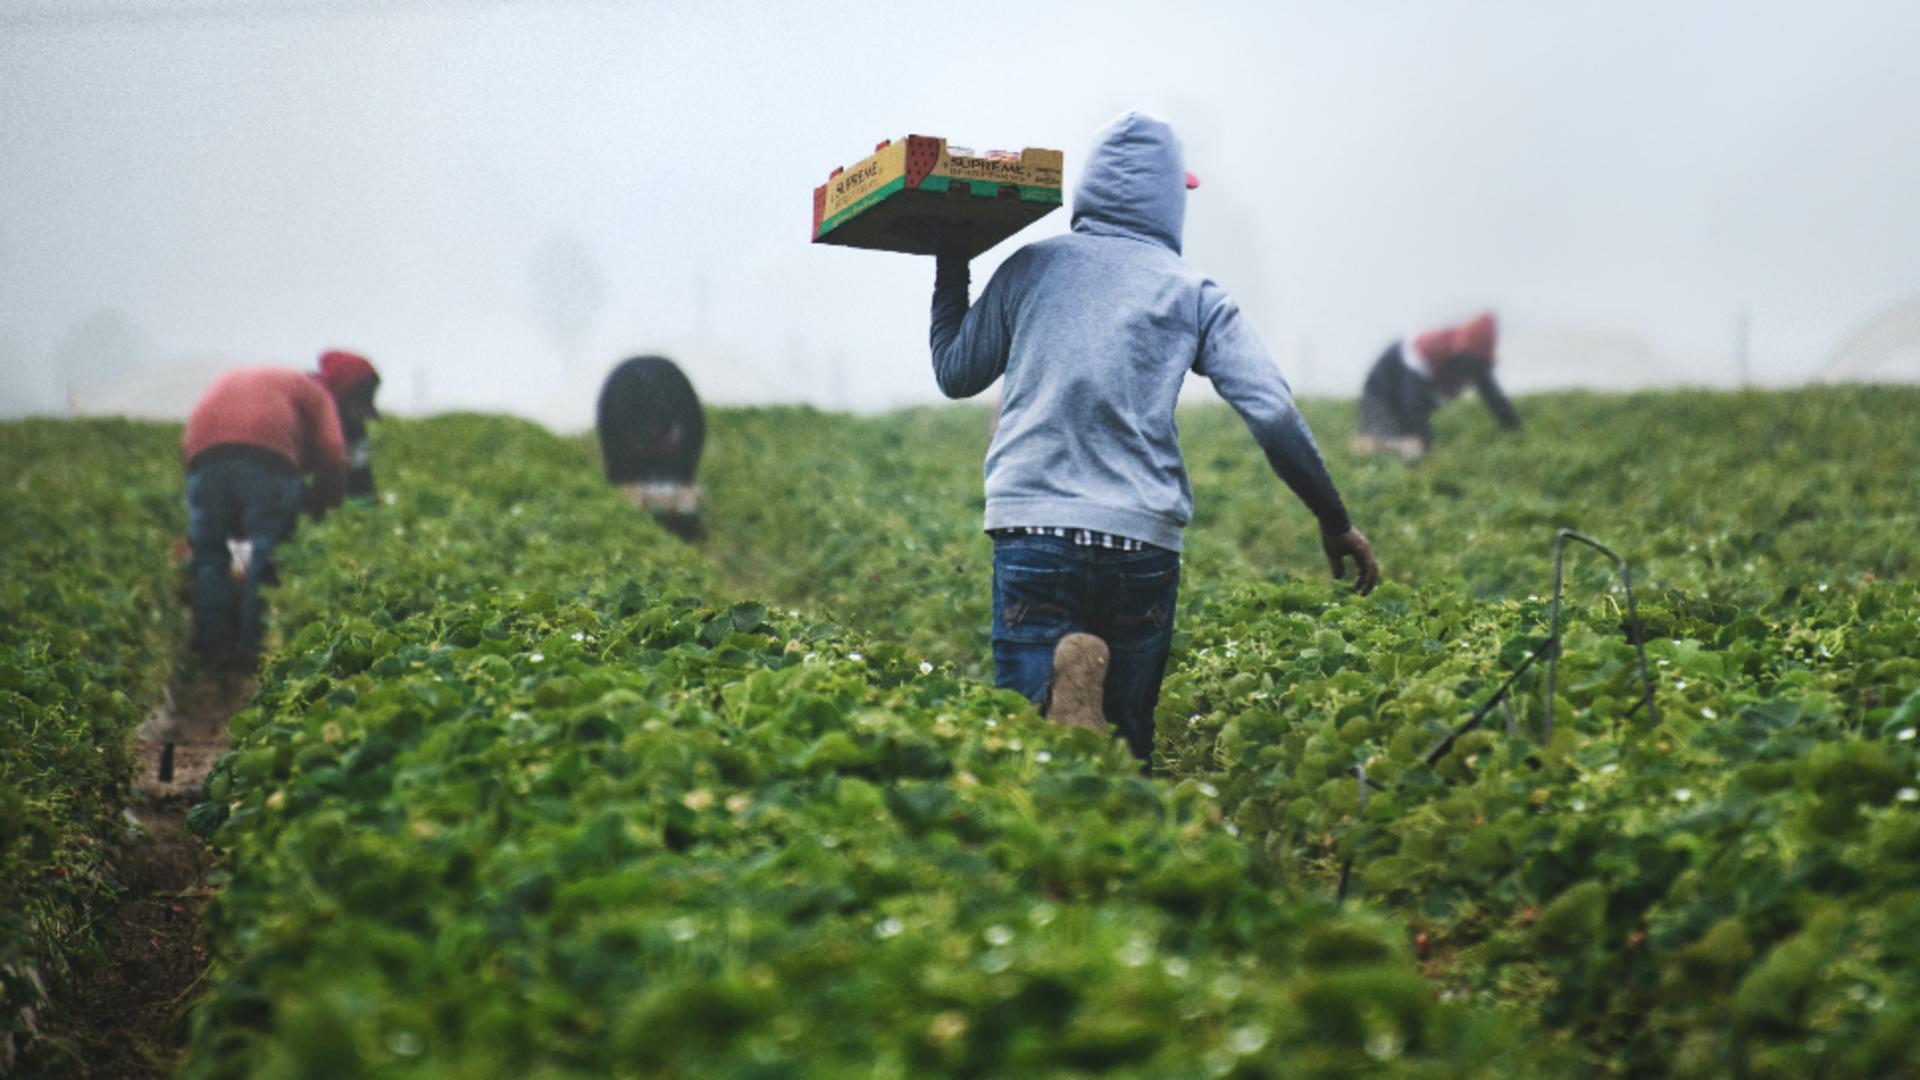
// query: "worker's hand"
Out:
[1351,544]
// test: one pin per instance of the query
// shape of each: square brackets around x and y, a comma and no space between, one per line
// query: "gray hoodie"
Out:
[1095,331]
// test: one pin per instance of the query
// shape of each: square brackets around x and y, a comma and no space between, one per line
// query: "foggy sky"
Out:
[496,200]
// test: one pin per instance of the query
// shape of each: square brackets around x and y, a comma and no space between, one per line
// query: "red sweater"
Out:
[286,412]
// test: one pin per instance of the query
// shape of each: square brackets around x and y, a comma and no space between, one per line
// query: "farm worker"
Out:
[1094,332]
[651,434]
[248,443]
[354,382]
[1419,373]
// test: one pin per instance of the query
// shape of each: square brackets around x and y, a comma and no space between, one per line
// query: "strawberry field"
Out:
[532,789]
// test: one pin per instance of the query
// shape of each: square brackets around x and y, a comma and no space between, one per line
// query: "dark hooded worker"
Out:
[1418,374]
[651,433]
[354,382]
[1086,492]
[249,444]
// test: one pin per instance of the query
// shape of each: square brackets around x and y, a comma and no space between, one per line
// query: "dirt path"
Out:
[126,1015]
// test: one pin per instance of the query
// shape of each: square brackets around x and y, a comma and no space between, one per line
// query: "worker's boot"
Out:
[1079,682]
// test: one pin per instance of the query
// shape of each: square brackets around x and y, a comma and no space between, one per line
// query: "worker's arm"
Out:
[970,343]
[1496,401]
[1234,359]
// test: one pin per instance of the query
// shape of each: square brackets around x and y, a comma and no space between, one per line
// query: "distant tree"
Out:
[21,390]
[569,293]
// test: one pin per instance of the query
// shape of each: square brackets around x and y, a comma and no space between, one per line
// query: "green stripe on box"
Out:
[871,197]
[988,189]
[984,189]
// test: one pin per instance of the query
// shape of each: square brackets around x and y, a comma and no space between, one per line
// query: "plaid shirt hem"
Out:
[1080,537]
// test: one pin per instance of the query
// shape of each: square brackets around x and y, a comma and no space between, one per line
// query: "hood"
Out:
[1134,183]
[340,372]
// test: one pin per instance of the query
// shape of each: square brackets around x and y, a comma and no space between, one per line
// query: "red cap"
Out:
[1476,337]
[342,371]
[1192,181]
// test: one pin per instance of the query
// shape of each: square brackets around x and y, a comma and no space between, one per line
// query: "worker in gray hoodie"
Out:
[1094,332]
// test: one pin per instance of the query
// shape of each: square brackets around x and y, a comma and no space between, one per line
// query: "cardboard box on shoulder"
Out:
[911,193]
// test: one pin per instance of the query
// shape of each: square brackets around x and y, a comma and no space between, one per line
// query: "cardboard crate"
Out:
[907,191]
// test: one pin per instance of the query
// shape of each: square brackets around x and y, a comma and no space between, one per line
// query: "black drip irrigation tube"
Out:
[1550,648]
[1633,627]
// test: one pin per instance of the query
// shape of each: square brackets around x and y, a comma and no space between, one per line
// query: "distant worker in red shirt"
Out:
[1418,374]
[250,441]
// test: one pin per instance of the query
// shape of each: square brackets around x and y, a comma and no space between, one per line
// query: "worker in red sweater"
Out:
[254,436]
[1418,374]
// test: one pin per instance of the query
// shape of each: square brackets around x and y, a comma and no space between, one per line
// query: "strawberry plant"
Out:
[89,629]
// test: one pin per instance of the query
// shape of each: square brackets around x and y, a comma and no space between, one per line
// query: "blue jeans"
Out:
[1046,587]
[234,497]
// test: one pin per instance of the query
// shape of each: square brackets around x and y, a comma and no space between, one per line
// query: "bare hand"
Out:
[1351,544]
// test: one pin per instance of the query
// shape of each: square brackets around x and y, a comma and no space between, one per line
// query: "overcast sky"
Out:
[497,199]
